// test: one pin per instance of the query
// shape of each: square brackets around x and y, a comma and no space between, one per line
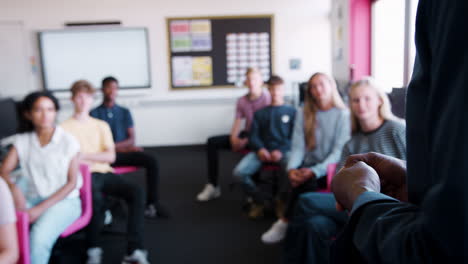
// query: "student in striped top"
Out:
[316,220]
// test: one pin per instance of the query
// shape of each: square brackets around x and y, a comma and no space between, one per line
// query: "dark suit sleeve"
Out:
[255,141]
[434,227]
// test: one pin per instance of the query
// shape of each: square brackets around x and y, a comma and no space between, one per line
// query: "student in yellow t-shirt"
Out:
[98,150]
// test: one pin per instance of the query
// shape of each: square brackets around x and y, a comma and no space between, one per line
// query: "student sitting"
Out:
[8,238]
[121,123]
[98,150]
[270,141]
[316,219]
[48,188]
[246,106]
[320,132]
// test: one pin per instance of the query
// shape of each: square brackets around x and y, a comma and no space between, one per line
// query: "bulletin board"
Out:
[215,52]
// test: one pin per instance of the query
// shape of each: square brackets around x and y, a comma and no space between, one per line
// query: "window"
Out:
[388,43]
[393,48]
[411,44]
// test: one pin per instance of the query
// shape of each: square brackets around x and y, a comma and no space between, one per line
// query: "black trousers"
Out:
[119,187]
[150,163]
[213,145]
[308,186]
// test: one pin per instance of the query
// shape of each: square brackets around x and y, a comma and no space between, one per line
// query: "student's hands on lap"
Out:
[391,171]
[306,174]
[276,156]
[264,155]
[34,214]
[295,177]
[351,181]
[299,176]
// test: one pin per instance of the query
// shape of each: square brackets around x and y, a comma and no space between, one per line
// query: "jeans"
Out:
[315,222]
[247,167]
[150,163]
[213,145]
[119,187]
[45,231]
[48,227]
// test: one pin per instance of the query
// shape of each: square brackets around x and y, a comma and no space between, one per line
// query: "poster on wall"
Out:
[246,50]
[190,35]
[180,36]
[202,68]
[182,70]
[201,35]
[189,71]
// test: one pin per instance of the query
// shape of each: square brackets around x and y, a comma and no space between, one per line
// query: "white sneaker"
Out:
[107,217]
[209,192]
[276,233]
[138,256]
[94,255]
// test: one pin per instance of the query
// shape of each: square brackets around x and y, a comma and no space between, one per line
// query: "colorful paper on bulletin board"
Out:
[202,71]
[181,43]
[181,40]
[201,35]
[182,71]
[201,26]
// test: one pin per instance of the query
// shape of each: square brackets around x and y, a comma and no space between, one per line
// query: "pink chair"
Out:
[86,214]
[331,168]
[22,227]
[86,203]
[125,169]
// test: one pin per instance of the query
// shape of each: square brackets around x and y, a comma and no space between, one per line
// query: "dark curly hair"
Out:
[25,125]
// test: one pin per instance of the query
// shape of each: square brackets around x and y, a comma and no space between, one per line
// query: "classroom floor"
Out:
[213,232]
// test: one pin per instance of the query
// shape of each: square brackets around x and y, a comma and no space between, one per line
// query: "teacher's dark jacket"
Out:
[433,227]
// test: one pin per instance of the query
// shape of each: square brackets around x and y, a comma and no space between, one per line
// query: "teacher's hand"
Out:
[391,171]
[352,181]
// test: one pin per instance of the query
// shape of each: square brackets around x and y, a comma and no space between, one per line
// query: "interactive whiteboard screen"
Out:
[93,54]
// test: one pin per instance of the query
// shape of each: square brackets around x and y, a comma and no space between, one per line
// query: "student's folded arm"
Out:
[107,156]
[65,190]
[342,135]
[255,141]
[8,244]
[400,140]
[129,142]
[298,149]
[235,129]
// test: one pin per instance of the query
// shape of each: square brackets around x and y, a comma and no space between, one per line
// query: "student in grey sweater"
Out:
[270,141]
[320,132]
[316,219]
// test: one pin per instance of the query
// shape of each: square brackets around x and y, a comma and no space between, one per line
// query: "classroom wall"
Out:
[340,17]
[164,117]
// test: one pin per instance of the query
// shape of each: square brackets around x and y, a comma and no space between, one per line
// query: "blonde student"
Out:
[374,129]
[48,186]
[321,130]
[246,106]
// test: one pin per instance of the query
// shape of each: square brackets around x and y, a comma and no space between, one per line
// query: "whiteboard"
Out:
[15,77]
[93,54]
